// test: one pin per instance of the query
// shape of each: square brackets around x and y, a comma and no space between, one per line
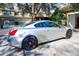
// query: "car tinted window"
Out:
[50,24]
[39,25]
[46,24]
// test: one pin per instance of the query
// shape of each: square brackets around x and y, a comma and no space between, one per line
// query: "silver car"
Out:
[29,36]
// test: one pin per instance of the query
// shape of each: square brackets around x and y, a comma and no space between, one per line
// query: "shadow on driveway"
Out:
[50,41]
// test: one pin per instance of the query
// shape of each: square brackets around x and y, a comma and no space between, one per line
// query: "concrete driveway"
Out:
[64,47]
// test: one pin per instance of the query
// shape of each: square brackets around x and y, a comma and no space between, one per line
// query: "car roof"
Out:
[42,21]
[34,22]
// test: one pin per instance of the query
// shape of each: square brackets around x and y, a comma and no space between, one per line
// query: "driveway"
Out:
[64,47]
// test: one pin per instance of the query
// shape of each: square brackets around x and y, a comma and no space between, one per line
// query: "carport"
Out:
[73,18]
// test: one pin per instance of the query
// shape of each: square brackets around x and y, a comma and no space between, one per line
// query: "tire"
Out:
[69,34]
[29,43]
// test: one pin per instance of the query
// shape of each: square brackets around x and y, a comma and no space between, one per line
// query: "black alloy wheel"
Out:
[29,43]
[69,34]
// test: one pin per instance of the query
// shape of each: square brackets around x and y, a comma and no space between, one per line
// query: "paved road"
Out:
[64,47]
[4,31]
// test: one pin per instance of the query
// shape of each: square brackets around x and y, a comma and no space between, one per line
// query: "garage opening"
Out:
[77,23]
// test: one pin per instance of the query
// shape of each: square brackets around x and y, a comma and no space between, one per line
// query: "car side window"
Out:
[38,25]
[50,24]
[46,24]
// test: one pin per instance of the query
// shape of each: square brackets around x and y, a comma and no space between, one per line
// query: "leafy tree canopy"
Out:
[57,15]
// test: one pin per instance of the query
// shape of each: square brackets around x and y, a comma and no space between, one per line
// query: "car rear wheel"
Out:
[69,34]
[30,42]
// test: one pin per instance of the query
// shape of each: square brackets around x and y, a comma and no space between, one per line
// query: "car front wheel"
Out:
[69,34]
[30,42]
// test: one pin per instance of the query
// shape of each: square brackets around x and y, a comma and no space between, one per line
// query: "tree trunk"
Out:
[33,18]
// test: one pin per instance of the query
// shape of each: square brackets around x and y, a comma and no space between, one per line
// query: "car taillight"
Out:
[12,33]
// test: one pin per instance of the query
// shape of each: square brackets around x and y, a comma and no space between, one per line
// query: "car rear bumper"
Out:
[13,41]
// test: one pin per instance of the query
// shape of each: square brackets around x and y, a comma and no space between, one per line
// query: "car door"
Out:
[42,31]
[54,31]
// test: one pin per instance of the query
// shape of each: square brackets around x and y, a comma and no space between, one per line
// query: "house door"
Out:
[77,22]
